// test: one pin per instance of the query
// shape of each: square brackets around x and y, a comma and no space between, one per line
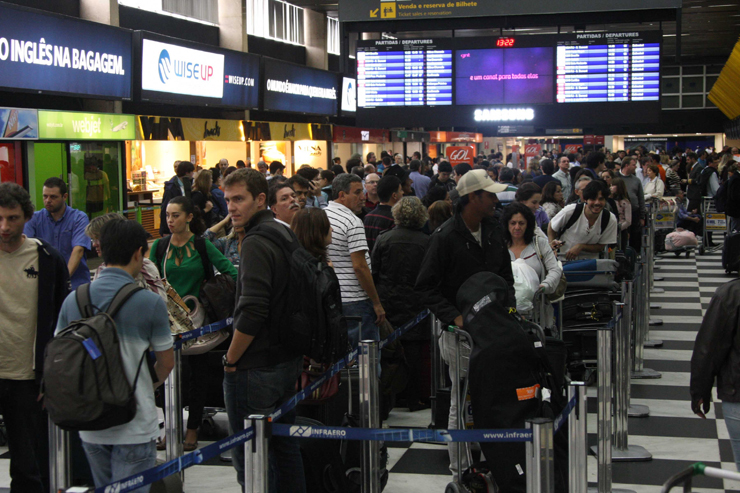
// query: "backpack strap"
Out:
[161,252]
[122,297]
[200,247]
[573,218]
[84,304]
[605,217]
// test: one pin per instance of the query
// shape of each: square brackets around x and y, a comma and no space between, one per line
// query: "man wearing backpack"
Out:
[141,323]
[583,230]
[35,281]
[260,373]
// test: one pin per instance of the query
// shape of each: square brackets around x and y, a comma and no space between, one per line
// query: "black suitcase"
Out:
[322,463]
[586,307]
[731,253]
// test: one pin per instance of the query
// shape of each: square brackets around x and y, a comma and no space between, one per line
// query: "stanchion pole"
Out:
[622,451]
[256,452]
[60,463]
[435,355]
[369,414]
[642,313]
[577,440]
[173,412]
[651,226]
[540,457]
[633,410]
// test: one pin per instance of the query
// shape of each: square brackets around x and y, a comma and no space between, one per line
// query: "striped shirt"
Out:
[348,237]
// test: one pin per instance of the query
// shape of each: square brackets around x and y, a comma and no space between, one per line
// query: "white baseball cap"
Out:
[478,179]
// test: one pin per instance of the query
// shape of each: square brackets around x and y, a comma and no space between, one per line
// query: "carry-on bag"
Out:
[591,273]
[731,253]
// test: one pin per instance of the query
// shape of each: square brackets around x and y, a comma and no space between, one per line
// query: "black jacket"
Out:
[448,185]
[53,289]
[717,348]
[396,262]
[171,190]
[453,256]
[261,294]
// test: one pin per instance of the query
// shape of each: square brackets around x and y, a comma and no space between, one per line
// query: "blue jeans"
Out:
[361,309]
[731,412]
[111,463]
[261,391]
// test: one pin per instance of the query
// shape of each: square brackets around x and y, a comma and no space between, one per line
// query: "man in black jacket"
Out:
[469,242]
[260,374]
[717,356]
[35,282]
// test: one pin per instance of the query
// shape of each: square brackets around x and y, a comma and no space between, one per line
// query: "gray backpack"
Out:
[85,385]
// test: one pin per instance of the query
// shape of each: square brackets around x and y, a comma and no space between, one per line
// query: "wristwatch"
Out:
[225,362]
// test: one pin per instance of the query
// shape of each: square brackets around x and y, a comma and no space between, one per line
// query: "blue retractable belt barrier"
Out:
[398,435]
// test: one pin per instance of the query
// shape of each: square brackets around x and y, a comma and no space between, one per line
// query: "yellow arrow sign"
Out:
[374,13]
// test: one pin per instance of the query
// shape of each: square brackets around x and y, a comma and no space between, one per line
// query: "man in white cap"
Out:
[469,242]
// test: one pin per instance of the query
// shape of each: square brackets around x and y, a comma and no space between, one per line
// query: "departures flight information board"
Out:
[404,73]
[606,69]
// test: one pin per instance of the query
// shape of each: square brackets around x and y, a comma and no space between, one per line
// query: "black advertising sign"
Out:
[393,10]
[176,71]
[63,55]
[299,89]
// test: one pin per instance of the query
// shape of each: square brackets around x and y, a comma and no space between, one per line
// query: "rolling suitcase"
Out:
[731,253]
[591,273]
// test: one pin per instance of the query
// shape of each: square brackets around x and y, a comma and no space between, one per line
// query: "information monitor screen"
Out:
[404,73]
[623,67]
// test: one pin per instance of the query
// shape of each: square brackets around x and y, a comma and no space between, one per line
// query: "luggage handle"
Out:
[350,410]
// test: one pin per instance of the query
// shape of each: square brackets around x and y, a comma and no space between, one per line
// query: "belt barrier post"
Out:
[173,412]
[60,463]
[256,464]
[437,364]
[369,414]
[642,314]
[577,440]
[628,295]
[540,457]
[650,288]
[653,214]
[622,451]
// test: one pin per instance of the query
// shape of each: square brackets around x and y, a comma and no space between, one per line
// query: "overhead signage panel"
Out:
[394,10]
[349,95]
[62,55]
[67,125]
[180,72]
[299,89]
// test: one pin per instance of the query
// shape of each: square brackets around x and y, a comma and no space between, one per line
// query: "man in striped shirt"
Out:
[348,252]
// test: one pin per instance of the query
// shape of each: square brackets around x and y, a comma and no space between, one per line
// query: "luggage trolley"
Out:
[464,344]
[713,221]
[686,476]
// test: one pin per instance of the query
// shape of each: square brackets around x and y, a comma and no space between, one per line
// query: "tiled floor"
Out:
[674,436]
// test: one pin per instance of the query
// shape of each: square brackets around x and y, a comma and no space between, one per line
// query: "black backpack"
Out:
[217,294]
[313,324]
[85,386]
[605,216]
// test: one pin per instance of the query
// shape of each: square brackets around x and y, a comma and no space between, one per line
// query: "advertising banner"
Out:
[175,71]
[290,131]
[531,151]
[18,123]
[715,222]
[311,152]
[55,54]
[665,220]
[195,129]
[298,89]
[460,154]
[66,125]
[349,95]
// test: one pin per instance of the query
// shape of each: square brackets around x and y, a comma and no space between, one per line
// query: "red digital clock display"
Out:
[505,42]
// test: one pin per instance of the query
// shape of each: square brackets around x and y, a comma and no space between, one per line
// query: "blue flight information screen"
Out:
[606,70]
[404,73]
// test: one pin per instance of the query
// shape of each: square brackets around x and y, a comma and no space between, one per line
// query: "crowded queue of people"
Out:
[399,238]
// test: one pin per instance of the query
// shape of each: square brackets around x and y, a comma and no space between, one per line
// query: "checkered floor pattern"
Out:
[675,437]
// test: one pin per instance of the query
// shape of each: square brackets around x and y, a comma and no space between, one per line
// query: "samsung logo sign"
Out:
[179,70]
[503,114]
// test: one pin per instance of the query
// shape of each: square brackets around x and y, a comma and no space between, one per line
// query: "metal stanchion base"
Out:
[655,306]
[646,373]
[594,489]
[656,321]
[634,453]
[653,343]
[638,411]
[657,278]
[657,290]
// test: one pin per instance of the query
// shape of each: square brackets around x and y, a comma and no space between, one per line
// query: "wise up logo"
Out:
[181,68]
